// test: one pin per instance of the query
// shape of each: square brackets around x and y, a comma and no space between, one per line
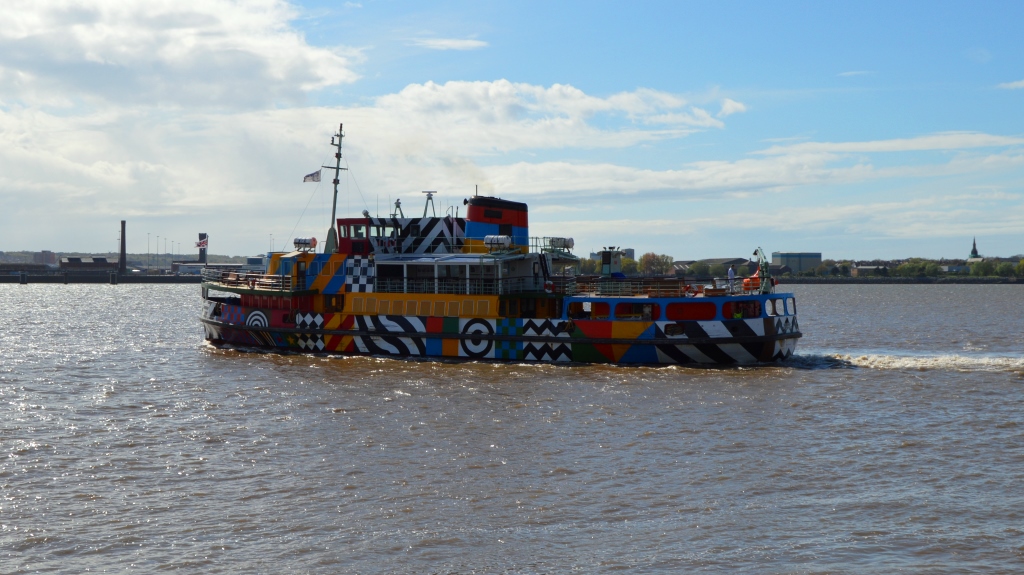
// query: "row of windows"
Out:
[679,311]
[421,308]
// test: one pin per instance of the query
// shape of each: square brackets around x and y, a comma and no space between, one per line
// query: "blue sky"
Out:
[697,129]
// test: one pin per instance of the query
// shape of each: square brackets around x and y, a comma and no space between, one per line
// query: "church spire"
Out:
[974,248]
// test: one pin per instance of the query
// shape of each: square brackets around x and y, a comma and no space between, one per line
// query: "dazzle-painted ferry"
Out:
[480,288]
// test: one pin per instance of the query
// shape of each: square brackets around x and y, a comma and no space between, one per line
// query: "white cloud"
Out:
[65,175]
[730,107]
[1019,84]
[177,52]
[941,141]
[450,43]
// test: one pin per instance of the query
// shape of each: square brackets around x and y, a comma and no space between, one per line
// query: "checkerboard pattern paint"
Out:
[359,275]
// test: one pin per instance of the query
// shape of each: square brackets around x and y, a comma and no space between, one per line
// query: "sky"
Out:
[695,129]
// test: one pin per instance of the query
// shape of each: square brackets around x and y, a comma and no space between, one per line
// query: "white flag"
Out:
[314,177]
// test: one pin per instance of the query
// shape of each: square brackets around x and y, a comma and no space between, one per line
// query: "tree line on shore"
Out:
[920,267]
[652,264]
[649,264]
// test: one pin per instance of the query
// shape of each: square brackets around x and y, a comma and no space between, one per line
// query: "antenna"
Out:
[430,202]
[331,245]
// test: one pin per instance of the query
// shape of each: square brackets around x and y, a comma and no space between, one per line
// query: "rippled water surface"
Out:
[893,441]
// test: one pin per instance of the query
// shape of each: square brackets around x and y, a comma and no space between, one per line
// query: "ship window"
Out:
[791,306]
[453,309]
[424,308]
[359,232]
[482,308]
[385,307]
[637,311]
[357,305]
[342,231]
[747,309]
[691,311]
[439,308]
[467,307]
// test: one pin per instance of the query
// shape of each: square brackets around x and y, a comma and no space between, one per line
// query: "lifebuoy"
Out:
[549,287]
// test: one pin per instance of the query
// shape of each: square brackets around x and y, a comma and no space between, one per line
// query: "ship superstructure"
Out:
[480,287]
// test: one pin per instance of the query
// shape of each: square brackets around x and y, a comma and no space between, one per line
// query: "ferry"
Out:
[479,287]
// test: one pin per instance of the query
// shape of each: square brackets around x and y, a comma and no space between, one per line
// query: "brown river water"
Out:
[893,441]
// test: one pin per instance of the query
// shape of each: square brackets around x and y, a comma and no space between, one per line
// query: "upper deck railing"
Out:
[254,281]
[659,287]
[560,285]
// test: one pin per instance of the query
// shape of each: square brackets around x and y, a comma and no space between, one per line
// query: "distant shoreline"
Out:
[901,280]
[98,279]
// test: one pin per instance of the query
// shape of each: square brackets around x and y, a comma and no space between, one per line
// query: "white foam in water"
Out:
[937,362]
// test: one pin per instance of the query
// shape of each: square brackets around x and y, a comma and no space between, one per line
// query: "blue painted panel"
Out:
[640,354]
[434,346]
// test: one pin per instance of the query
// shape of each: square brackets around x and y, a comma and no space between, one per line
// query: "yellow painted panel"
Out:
[371,305]
[439,309]
[398,307]
[331,267]
[453,309]
[384,308]
[357,304]
[334,321]
[467,307]
[619,350]
[482,308]
[629,329]
[450,347]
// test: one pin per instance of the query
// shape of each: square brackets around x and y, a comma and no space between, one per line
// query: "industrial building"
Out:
[797,261]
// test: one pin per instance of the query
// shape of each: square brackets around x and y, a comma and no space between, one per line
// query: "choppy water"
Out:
[894,441]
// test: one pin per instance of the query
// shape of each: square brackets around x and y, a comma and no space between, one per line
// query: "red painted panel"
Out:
[435,325]
[700,311]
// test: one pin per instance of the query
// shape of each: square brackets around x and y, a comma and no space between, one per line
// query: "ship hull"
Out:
[722,342]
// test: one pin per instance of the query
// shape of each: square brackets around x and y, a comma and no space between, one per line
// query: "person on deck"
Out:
[732,277]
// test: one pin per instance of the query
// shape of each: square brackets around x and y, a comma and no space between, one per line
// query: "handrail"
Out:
[244,280]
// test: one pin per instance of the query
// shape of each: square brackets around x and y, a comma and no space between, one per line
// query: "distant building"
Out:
[797,261]
[864,271]
[626,253]
[44,257]
[974,257]
[956,269]
[85,264]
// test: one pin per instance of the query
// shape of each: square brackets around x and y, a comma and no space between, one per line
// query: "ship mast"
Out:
[331,245]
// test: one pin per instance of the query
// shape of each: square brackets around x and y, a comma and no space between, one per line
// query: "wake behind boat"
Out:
[480,288]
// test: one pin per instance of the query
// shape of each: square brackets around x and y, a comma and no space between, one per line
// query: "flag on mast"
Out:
[314,177]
